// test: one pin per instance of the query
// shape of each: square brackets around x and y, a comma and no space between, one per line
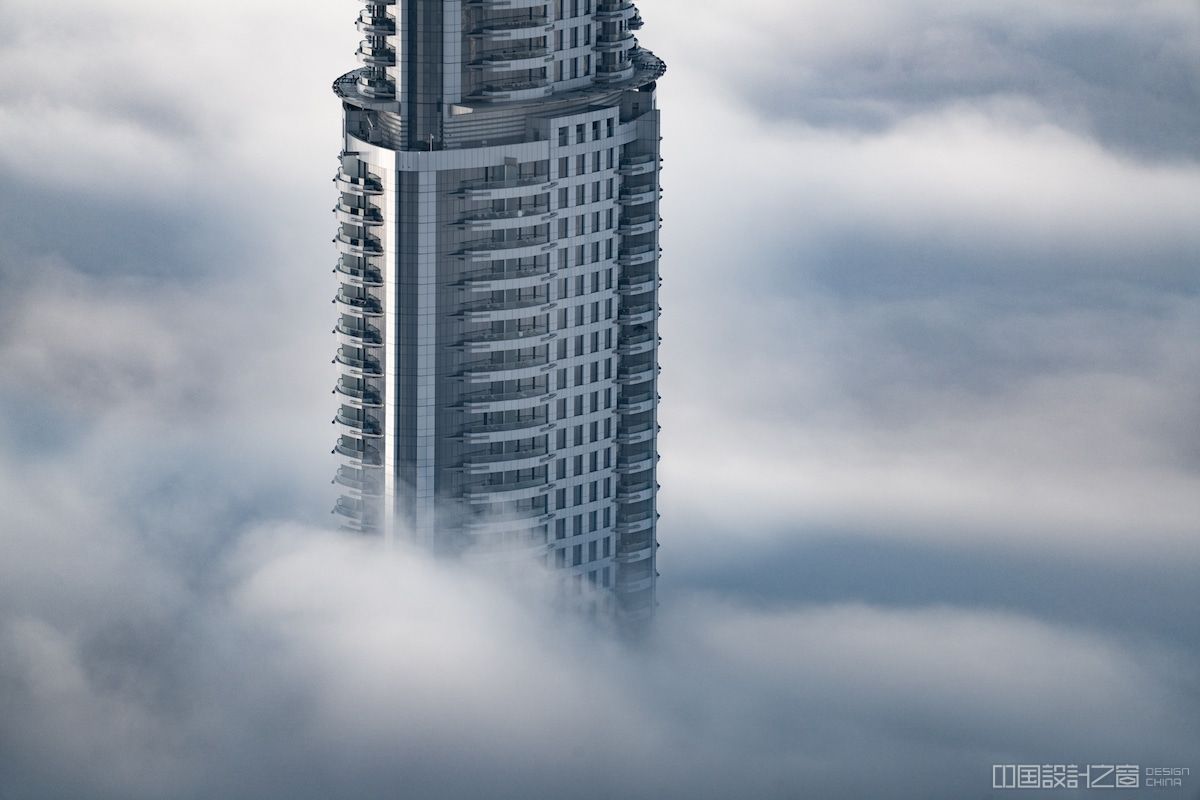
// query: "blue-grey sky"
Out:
[931,452]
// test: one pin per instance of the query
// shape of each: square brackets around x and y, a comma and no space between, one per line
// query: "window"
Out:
[560,532]
[596,129]
[577,554]
[607,539]
[610,125]
[560,498]
[560,557]
[563,133]
[593,548]
[563,167]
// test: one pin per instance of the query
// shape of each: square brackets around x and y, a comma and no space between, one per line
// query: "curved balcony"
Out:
[375,26]
[358,337]
[506,492]
[508,188]
[376,87]
[636,494]
[635,553]
[642,164]
[354,215]
[514,30]
[516,279]
[524,247]
[361,514]
[638,315]
[358,276]
[514,60]
[637,226]
[516,521]
[637,375]
[491,403]
[633,585]
[366,427]
[636,345]
[505,5]
[615,12]
[366,306]
[637,404]
[639,285]
[635,465]
[367,398]
[502,312]
[637,434]
[635,523]
[347,87]
[353,184]
[506,462]
[506,220]
[514,92]
[636,23]
[489,342]
[613,44]
[615,73]
[639,196]
[503,432]
[376,55]
[356,480]
[636,256]
[509,370]
[355,246]
[369,457]
[361,367]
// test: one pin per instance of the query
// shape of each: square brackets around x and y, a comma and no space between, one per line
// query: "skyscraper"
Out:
[497,274]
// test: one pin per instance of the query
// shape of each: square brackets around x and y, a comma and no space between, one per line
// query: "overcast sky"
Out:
[931,452]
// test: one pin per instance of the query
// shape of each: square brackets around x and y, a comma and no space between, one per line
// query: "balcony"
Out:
[514,92]
[359,247]
[637,404]
[376,86]
[507,188]
[637,226]
[369,456]
[355,184]
[488,281]
[639,196]
[504,5]
[514,521]
[501,312]
[634,585]
[506,462]
[633,466]
[638,165]
[358,337]
[637,375]
[639,285]
[376,26]
[376,56]
[356,480]
[514,60]
[495,402]
[636,494]
[507,492]
[520,369]
[638,315]
[367,398]
[637,255]
[367,427]
[366,306]
[358,276]
[506,220]
[634,554]
[637,434]
[615,12]
[636,345]
[612,44]
[523,247]
[514,30]
[354,215]
[504,431]
[635,523]
[614,73]
[356,366]
[491,342]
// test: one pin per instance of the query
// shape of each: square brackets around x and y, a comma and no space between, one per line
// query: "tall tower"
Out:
[497,276]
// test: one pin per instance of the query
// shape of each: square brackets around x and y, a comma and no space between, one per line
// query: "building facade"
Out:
[497,302]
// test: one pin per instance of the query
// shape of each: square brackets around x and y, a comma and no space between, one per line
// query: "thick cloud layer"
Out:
[931,482]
